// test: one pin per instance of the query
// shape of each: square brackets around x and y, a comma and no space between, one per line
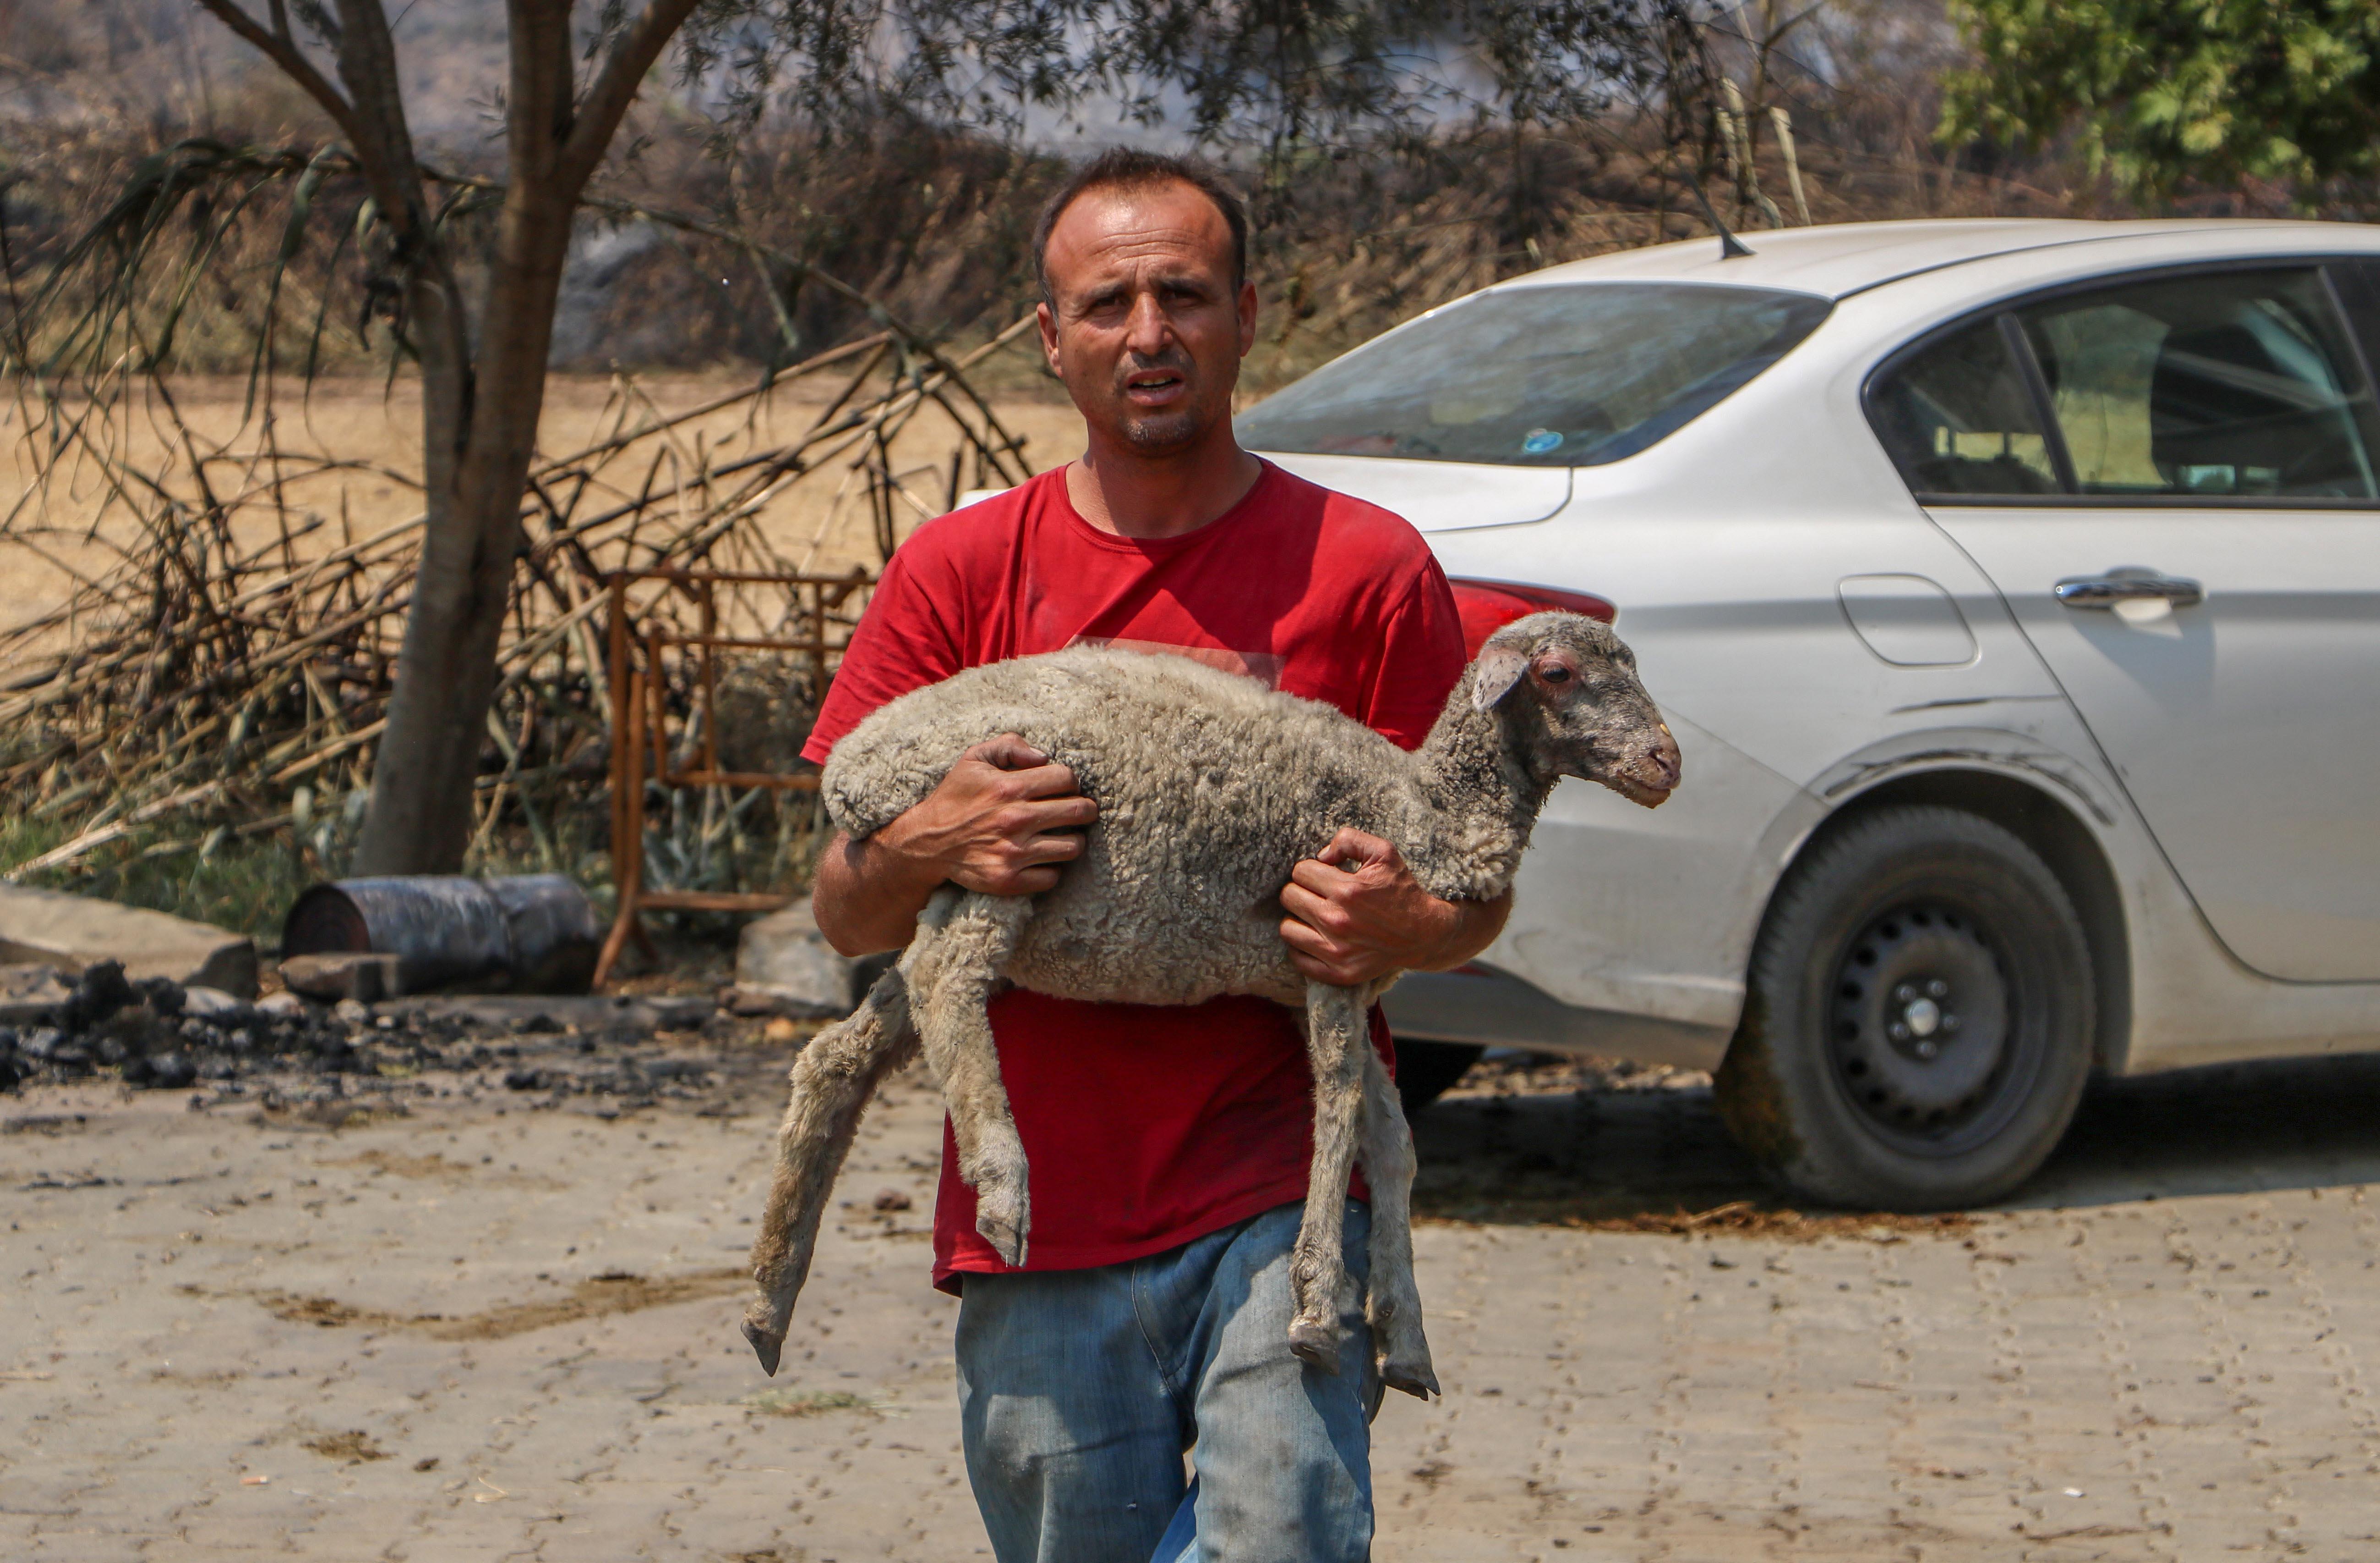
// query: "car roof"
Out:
[1837,260]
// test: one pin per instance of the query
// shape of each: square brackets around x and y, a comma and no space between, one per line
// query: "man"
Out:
[1168,1145]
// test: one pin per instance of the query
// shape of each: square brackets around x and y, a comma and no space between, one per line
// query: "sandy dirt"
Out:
[504,1325]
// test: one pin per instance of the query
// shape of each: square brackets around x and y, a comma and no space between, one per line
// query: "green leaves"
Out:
[2157,92]
[123,285]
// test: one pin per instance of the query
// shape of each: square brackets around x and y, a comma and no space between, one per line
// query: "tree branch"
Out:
[368,66]
[537,106]
[282,49]
[614,88]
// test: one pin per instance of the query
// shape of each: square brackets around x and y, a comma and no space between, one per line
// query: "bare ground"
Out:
[502,1325]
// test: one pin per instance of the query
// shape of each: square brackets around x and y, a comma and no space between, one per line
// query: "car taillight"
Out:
[1488,606]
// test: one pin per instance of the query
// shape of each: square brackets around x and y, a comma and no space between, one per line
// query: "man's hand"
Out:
[1002,817]
[1357,913]
[1000,822]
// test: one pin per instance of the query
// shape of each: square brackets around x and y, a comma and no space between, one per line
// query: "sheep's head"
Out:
[1565,688]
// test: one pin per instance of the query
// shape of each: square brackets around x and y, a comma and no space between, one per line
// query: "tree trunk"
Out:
[478,426]
[480,409]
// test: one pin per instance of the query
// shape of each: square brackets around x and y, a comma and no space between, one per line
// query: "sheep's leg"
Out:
[1394,1307]
[963,946]
[1334,1040]
[832,1080]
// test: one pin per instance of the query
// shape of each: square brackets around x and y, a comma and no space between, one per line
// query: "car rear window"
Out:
[1959,418]
[1558,375]
[2229,384]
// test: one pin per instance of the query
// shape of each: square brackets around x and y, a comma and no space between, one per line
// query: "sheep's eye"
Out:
[1554,674]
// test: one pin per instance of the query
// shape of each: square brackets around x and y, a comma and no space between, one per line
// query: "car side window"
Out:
[2229,383]
[1957,418]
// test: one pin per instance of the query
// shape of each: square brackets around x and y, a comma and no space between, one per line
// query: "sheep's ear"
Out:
[1499,667]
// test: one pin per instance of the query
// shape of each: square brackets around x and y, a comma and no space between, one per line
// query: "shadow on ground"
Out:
[1578,1145]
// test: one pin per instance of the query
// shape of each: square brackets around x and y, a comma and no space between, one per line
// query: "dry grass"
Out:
[236,574]
[375,424]
[807,1402]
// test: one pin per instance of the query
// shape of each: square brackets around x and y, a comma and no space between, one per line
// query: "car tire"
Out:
[1427,1070]
[1919,1017]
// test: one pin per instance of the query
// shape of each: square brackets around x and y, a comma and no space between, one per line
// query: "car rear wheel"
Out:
[1918,1026]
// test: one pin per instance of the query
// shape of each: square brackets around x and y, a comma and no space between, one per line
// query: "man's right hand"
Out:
[1001,821]
[998,823]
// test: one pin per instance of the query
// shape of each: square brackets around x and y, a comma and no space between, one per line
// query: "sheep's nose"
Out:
[1665,760]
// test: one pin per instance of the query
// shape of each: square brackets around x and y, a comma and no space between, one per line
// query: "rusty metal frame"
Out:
[640,750]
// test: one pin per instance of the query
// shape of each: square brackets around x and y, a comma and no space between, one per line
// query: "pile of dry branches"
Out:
[229,672]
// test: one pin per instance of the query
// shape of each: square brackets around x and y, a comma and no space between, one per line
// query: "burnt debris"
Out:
[155,1034]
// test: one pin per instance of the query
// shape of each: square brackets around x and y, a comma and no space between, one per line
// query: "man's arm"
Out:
[1348,925]
[1000,822]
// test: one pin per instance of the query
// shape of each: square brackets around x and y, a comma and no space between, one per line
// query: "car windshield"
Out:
[1558,375]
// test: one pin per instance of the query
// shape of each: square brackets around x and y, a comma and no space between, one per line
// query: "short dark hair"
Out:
[1128,168]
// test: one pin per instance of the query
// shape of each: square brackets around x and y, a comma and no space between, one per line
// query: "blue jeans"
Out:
[1080,1390]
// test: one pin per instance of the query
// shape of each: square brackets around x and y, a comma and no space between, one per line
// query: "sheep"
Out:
[1210,788]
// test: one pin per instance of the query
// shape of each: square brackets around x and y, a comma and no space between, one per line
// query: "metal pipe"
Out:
[531,933]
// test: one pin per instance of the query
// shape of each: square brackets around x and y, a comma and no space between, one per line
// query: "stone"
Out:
[165,1072]
[282,1006]
[618,1015]
[363,976]
[133,1030]
[785,967]
[166,998]
[71,932]
[214,1004]
[679,1012]
[99,992]
[52,1047]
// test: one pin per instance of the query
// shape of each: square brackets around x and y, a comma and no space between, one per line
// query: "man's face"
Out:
[1148,330]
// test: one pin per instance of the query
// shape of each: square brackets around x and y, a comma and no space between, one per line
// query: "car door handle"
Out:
[2127,586]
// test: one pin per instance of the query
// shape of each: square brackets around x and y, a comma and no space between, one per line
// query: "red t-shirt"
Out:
[1146,1126]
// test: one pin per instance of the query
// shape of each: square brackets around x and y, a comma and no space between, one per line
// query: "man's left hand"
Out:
[1357,913]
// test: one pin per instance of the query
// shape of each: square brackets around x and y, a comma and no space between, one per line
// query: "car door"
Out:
[2171,479]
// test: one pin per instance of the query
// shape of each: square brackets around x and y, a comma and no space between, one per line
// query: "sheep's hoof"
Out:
[1404,1358]
[1003,1230]
[767,1344]
[1008,1238]
[1316,1342]
[1416,1378]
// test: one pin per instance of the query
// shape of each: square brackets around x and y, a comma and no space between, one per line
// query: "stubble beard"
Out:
[1169,431]
[1161,434]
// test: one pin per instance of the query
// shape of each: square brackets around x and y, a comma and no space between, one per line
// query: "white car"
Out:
[2013,590]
